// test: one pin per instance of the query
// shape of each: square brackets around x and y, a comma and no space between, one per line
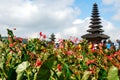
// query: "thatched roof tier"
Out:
[94,19]
[95,26]
[103,36]
[95,16]
[95,30]
[95,22]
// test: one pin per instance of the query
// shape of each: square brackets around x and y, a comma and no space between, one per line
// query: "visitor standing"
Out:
[119,43]
[108,44]
[116,44]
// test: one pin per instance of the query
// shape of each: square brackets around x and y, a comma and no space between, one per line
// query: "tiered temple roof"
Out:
[95,33]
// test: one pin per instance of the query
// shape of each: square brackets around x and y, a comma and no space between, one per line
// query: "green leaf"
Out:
[30,46]
[86,75]
[12,73]
[1,65]
[44,71]
[43,74]
[68,73]
[113,73]
[102,75]
[83,65]
[10,33]
[1,44]
[21,68]
[25,56]
[50,61]
[84,54]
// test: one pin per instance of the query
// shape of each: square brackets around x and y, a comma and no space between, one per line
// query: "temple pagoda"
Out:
[95,33]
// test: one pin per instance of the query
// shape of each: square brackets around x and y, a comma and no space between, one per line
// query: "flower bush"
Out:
[39,59]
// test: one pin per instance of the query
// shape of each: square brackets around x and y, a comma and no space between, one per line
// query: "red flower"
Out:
[19,39]
[76,39]
[69,52]
[14,36]
[80,56]
[11,45]
[59,67]
[38,63]
[11,51]
[61,46]
[118,51]
[100,44]
[44,36]
[93,50]
[90,62]
[115,54]
[60,40]
[109,57]
[92,69]
[40,34]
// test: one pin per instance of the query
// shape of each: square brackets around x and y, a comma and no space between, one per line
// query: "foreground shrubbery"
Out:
[39,59]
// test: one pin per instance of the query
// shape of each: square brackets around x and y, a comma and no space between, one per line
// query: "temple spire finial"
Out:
[95,3]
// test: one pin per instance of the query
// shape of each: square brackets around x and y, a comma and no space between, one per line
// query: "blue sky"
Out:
[85,6]
[63,17]
[106,10]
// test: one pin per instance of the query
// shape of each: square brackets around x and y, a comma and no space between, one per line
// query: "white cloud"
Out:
[77,21]
[25,11]
[31,16]
[33,35]
[77,29]
[116,5]
[108,1]
[111,30]
[116,16]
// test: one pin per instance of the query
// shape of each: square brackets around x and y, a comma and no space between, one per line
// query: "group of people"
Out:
[107,45]
[110,44]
